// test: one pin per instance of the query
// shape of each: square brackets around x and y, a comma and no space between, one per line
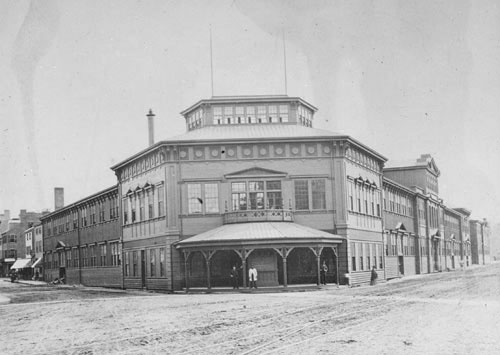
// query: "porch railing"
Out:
[270,215]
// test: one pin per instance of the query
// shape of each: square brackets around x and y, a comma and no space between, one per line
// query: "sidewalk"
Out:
[26,282]
[265,289]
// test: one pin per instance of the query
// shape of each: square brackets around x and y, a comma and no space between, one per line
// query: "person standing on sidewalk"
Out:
[373,279]
[323,271]
[234,278]
[252,276]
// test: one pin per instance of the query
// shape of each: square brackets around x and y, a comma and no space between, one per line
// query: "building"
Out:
[480,242]
[81,241]
[250,182]
[13,242]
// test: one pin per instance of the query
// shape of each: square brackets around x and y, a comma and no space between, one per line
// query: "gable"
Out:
[431,165]
[255,172]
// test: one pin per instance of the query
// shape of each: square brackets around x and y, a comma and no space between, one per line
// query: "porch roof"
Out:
[260,233]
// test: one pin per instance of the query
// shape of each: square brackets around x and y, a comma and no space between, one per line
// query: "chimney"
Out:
[58,198]
[151,127]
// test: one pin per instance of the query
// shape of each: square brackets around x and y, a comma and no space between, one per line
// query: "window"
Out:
[211,198]
[125,210]
[101,211]
[115,253]
[152,263]
[203,198]
[75,220]
[318,194]
[151,203]
[368,252]
[301,195]
[239,196]
[84,217]
[141,206]
[161,193]
[283,113]
[361,249]
[380,257]
[135,269]
[393,244]
[194,198]
[162,261]
[92,214]
[127,264]
[93,257]
[76,262]
[133,205]
[353,256]
[102,248]
[85,256]
[256,194]
[273,194]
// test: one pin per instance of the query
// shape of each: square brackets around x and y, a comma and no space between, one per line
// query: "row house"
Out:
[82,241]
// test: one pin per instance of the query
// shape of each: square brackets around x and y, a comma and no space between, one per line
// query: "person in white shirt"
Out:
[252,276]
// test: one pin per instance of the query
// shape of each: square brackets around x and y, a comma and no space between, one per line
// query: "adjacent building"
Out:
[82,241]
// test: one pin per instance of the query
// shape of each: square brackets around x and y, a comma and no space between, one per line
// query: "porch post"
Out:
[208,255]
[335,249]
[318,257]
[186,270]
[285,281]
[244,266]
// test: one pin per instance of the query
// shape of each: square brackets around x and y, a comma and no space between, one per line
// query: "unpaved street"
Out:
[447,313]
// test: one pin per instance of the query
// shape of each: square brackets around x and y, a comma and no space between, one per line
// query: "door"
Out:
[143,268]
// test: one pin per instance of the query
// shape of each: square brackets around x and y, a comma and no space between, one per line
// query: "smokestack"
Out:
[58,198]
[151,127]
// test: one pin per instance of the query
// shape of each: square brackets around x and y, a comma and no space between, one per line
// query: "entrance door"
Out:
[265,261]
[143,268]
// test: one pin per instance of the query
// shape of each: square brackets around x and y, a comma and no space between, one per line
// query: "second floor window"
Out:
[203,198]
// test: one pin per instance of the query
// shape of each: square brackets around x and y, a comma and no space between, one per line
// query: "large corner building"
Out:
[252,183]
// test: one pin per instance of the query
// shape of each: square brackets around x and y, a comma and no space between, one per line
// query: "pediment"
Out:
[431,165]
[400,226]
[255,172]
[60,244]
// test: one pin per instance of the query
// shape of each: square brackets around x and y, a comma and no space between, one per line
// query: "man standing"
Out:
[252,276]
[323,271]
[373,279]
[234,278]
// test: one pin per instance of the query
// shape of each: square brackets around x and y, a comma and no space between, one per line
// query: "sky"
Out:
[403,77]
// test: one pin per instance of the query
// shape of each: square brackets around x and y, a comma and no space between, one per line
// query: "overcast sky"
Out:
[404,77]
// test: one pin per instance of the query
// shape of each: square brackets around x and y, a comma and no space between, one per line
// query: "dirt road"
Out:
[447,313]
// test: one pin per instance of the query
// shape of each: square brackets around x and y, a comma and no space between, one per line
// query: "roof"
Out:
[79,202]
[246,133]
[424,161]
[247,99]
[252,131]
[259,233]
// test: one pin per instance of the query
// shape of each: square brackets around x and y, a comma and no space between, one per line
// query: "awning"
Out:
[259,234]
[21,264]
[37,263]
[435,233]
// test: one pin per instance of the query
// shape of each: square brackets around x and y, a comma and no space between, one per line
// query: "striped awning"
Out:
[21,264]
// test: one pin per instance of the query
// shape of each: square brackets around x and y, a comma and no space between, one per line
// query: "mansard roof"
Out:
[424,161]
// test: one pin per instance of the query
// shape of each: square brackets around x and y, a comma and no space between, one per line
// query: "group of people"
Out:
[252,277]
